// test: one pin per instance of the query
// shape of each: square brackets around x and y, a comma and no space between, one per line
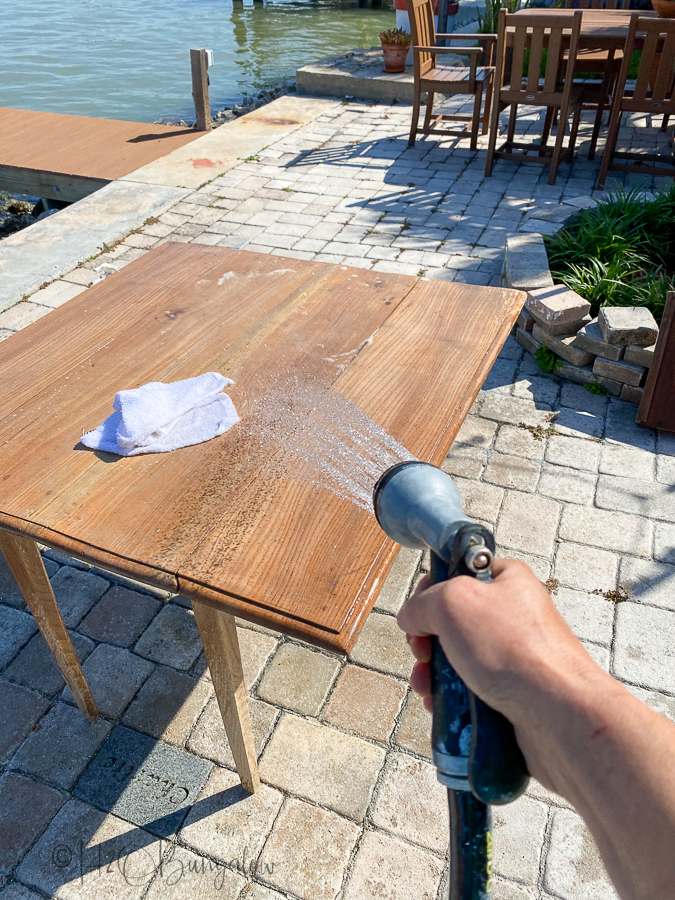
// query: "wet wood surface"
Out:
[242,522]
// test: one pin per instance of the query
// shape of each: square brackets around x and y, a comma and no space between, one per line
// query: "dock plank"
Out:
[82,147]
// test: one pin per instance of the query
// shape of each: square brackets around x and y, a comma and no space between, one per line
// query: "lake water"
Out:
[129,59]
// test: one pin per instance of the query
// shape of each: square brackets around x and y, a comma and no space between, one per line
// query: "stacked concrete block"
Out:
[614,350]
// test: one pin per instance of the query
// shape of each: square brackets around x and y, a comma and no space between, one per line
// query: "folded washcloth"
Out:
[159,417]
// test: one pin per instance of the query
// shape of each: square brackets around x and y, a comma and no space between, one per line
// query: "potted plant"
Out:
[395,46]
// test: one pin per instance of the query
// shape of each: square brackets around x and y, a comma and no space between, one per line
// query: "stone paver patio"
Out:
[349,807]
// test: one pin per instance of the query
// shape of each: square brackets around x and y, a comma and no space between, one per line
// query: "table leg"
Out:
[221,646]
[25,563]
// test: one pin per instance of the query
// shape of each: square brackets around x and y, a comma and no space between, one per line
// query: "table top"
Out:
[256,521]
[608,28]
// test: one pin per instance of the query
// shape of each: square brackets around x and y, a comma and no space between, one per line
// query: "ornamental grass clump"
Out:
[395,36]
[620,253]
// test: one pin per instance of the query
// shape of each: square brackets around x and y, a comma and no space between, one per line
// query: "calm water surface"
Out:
[129,59]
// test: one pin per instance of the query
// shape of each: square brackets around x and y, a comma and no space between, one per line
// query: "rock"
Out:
[632,394]
[590,338]
[561,328]
[628,325]
[557,305]
[564,346]
[525,320]
[526,340]
[621,371]
[642,356]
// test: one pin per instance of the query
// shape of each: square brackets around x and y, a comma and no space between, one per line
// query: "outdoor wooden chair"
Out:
[599,62]
[652,94]
[555,91]
[434,79]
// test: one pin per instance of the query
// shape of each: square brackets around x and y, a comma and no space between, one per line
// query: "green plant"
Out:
[594,388]
[487,23]
[395,36]
[620,253]
[547,359]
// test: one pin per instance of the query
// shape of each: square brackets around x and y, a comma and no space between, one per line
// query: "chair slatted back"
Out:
[653,92]
[597,4]
[539,32]
[423,31]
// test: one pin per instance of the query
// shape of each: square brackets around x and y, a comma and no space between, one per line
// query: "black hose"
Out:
[470,847]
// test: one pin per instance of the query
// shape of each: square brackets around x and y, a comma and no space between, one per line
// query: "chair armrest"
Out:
[467,37]
[458,51]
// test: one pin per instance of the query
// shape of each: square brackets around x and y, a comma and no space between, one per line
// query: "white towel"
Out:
[157,417]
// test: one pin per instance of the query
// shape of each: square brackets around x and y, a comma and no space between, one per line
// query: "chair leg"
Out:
[664,124]
[551,111]
[475,121]
[488,107]
[610,145]
[573,133]
[512,123]
[492,140]
[558,146]
[606,88]
[415,116]
[429,110]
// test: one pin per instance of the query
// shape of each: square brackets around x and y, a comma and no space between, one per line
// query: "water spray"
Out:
[474,747]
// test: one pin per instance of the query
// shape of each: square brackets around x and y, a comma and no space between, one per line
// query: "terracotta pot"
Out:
[664,8]
[453,9]
[395,56]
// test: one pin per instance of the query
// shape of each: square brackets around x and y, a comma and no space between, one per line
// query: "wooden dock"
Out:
[64,157]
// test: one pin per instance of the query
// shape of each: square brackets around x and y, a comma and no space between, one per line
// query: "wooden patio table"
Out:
[239,524]
[601,29]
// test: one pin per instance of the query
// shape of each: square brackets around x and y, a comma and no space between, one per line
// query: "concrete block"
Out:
[610,385]
[557,305]
[382,646]
[300,834]
[525,320]
[577,374]
[526,262]
[143,781]
[621,371]
[564,346]
[298,679]
[26,807]
[329,767]
[590,338]
[411,803]
[641,356]
[385,866]
[366,703]
[625,325]
[561,328]
[632,394]
[645,646]
[526,340]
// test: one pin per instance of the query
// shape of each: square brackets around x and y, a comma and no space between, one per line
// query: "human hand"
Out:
[506,640]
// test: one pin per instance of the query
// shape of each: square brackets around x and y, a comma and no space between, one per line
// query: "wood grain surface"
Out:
[602,29]
[102,149]
[241,522]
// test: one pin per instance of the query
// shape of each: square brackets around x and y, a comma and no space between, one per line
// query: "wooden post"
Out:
[443,21]
[657,409]
[200,88]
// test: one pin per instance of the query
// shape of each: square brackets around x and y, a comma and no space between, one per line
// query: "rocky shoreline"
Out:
[247,105]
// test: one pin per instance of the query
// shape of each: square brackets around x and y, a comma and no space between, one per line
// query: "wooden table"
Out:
[601,29]
[240,525]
